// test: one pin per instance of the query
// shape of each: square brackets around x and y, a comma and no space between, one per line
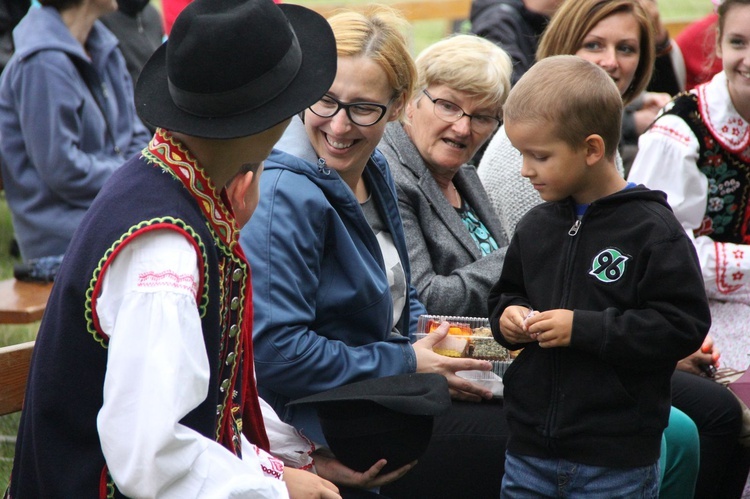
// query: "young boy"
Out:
[142,380]
[602,290]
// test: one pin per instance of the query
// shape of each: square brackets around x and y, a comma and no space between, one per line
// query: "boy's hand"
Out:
[512,324]
[551,328]
[332,469]
[431,362]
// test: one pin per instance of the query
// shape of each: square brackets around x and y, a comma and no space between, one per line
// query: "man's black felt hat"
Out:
[388,417]
[233,68]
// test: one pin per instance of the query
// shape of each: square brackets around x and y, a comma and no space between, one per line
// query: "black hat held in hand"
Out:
[380,418]
[233,68]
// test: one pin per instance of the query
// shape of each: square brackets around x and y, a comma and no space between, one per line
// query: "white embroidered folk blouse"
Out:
[666,160]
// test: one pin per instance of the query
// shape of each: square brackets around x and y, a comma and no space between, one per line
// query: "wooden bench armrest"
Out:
[22,302]
[15,361]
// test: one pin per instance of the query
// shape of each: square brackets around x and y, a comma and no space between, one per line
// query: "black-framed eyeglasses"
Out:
[359,113]
[451,113]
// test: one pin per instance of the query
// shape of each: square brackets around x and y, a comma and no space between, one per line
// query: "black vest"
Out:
[727,217]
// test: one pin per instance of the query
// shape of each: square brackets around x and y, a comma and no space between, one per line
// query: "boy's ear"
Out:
[595,150]
[237,187]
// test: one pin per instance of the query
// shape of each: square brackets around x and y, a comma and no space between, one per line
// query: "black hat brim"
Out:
[155,106]
[414,393]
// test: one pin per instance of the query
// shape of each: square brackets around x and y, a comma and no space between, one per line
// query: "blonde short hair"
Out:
[468,63]
[576,18]
[378,34]
[576,97]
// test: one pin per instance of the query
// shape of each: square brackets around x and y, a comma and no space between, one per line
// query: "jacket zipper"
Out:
[574,229]
[571,249]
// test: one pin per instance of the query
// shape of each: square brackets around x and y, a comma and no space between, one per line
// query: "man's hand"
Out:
[305,485]
[332,469]
[431,362]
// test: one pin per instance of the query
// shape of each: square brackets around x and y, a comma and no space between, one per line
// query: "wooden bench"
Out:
[15,361]
[22,302]
[414,10]
[452,11]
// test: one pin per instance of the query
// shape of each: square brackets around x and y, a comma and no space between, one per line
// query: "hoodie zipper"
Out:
[571,250]
[574,229]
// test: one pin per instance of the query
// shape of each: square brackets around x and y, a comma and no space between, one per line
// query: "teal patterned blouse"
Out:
[476,228]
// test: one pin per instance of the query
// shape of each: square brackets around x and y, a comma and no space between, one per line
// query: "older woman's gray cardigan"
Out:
[448,270]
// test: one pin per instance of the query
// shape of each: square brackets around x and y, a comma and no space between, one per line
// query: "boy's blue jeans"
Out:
[532,477]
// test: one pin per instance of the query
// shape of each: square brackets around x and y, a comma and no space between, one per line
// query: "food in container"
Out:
[467,337]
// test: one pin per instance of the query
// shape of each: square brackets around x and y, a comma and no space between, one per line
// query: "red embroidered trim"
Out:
[671,132]
[180,163]
[722,264]
[271,472]
[735,141]
[107,260]
[167,278]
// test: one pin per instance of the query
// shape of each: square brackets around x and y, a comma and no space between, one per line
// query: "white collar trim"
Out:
[719,114]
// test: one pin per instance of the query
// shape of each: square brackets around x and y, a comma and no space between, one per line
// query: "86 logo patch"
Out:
[609,265]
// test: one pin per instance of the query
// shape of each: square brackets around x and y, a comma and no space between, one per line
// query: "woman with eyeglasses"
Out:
[332,294]
[455,239]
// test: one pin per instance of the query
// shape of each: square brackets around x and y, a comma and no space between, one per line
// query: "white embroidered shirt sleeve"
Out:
[287,443]
[157,372]
[666,161]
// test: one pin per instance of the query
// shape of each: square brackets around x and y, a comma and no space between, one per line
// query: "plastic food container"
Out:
[468,337]
[487,379]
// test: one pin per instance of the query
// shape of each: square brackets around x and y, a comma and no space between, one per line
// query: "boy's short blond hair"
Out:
[577,97]
[468,63]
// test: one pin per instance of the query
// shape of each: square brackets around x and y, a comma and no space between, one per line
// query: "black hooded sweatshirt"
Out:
[631,275]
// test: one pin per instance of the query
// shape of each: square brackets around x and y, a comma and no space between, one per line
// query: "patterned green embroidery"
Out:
[89,313]
[722,184]
[727,175]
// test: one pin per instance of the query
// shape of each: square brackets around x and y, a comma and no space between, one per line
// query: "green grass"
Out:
[423,34]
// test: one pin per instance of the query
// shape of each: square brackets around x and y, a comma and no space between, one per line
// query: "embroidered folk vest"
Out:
[163,188]
[728,207]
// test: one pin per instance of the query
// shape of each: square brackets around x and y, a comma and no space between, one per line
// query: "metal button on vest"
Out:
[233,330]
[225,385]
[237,275]
[235,303]
[230,358]
[218,409]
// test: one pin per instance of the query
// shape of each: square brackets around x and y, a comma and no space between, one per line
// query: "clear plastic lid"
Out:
[467,337]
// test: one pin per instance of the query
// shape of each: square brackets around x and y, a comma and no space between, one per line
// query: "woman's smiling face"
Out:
[614,45]
[346,147]
[734,50]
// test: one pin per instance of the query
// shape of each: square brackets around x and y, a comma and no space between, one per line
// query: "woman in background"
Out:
[67,120]
[455,240]
[332,288]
